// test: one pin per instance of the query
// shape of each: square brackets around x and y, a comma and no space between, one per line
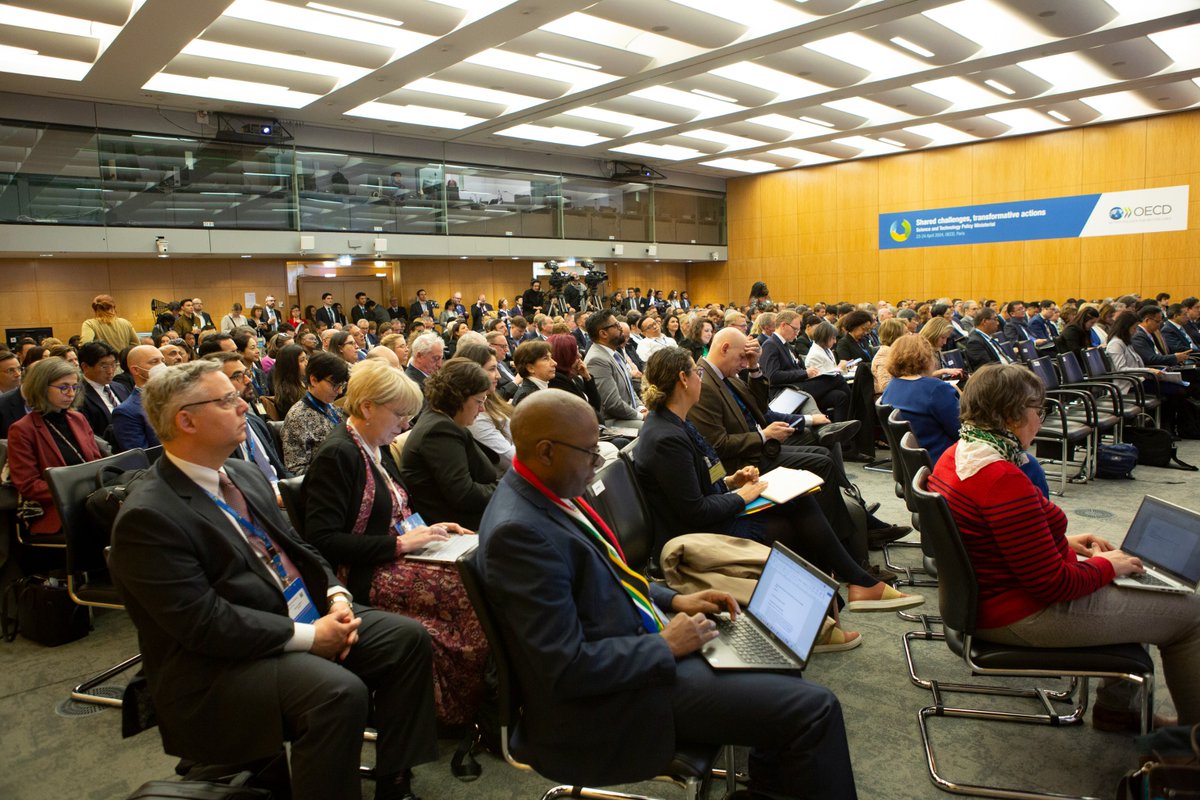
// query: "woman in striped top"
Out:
[1033,590]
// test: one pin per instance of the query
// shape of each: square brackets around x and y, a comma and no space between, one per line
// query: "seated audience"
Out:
[534,363]
[343,345]
[426,359]
[230,674]
[313,416]
[853,343]
[608,364]
[491,427]
[700,333]
[570,373]
[653,338]
[357,513]
[101,393]
[982,345]
[398,345]
[1077,335]
[706,498]
[130,428]
[52,434]
[782,368]
[594,664]
[1034,591]
[926,403]
[821,356]
[449,475]
[890,332]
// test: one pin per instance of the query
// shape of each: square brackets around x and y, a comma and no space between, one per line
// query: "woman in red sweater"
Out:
[1033,590]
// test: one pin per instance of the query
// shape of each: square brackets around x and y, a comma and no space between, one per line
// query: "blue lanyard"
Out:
[328,412]
[253,530]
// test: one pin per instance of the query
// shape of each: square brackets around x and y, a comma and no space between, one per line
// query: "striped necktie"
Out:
[595,529]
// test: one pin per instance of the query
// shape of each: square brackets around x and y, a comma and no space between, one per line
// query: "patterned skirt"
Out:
[433,595]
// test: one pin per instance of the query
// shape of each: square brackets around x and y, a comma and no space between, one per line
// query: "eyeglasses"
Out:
[66,388]
[597,457]
[238,375]
[107,365]
[229,400]
[341,387]
[698,371]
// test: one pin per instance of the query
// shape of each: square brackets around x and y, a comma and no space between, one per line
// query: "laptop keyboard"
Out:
[749,643]
[1146,579]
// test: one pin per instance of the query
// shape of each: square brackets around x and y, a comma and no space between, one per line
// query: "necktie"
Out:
[258,455]
[624,370]
[113,402]
[996,349]
[751,422]
[264,546]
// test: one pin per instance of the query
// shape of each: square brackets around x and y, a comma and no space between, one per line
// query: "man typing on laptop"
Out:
[610,683]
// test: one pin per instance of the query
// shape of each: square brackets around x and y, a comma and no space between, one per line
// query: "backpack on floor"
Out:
[1155,447]
[1116,461]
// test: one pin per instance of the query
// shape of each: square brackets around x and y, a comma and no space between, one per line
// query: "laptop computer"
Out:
[778,629]
[1166,537]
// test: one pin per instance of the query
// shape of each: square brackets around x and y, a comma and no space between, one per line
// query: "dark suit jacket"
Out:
[1017,331]
[328,315]
[202,601]
[779,365]
[719,419]
[1148,349]
[357,313]
[526,388]
[130,427]
[12,408]
[581,340]
[847,349]
[507,387]
[978,352]
[263,433]
[94,408]
[1038,328]
[672,472]
[1073,339]
[477,316]
[333,490]
[32,448]
[451,477]
[416,375]
[591,677]
[415,310]
[1174,337]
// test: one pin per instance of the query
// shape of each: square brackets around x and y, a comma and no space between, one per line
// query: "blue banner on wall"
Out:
[1107,214]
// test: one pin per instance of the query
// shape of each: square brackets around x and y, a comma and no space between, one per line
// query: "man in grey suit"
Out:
[607,365]
[248,638]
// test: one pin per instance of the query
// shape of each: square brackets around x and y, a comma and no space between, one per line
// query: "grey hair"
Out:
[426,343]
[170,390]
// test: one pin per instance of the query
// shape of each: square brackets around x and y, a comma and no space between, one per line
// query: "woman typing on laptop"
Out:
[1033,589]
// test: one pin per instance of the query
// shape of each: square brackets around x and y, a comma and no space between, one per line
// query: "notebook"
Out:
[778,629]
[786,483]
[1166,537]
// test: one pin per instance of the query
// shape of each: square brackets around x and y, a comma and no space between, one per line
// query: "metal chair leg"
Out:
[908,573]
[83,692]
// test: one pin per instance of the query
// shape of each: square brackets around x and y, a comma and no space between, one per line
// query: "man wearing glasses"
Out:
[605,660]
[258,448]
[102,395]
[12,404]
[130,427]
[609,367]
[247,637]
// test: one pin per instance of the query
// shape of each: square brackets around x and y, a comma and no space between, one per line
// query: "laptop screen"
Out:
[1168,536]
[791,600]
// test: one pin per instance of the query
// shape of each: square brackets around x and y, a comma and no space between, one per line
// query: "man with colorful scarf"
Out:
[607,663]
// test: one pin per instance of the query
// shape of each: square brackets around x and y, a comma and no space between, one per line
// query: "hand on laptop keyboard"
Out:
[687,633]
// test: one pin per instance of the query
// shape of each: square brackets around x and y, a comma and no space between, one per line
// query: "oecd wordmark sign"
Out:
[1107,214]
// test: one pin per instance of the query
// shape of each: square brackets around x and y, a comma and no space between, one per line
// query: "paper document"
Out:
[446,551]
[785,483]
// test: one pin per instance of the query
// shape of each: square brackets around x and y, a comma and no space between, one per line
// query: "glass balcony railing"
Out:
[63,176]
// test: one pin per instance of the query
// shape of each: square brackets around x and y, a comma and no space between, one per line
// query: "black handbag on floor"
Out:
[1155,447]
[234,788]
[42,611]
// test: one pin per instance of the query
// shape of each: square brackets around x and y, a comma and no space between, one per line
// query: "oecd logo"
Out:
[900,230]
[1116,212]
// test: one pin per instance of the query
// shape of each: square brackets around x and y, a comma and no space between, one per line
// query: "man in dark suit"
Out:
[1041,326]
[580,332]
[101,395]
[396,311]
[327,313]
[130,427]
[1016,330]
[1174,330]
[359,309]
[421,308]
[478,312]
[630,303]
[510,381]
[246,635]
[12,408]
[1191,313]
[428,350]
[593,661]
[272,315]
[258,447]
[782,368]
[982,347]
[1146,343]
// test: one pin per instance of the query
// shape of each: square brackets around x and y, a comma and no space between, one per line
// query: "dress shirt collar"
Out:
[538,383]
[207,479]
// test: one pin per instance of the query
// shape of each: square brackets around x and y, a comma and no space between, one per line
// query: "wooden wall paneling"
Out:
[901,184]
[1173,244]
[947,272]
[1053,164]
[707,281]
[947,178]
[1116,153]
[857,185]
[998,171]
[1171,146]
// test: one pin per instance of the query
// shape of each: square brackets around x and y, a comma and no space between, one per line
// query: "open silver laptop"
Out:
[1166,537]
[778,629]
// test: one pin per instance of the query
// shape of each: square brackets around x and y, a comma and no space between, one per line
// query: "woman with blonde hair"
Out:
[889,331]
[357,513]
[106,326]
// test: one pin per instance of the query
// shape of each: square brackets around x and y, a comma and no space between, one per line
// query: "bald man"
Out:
[130,427]
[385,354]
[596,668]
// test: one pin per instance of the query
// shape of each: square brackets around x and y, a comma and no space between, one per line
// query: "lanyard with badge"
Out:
[300,605]
[326,411]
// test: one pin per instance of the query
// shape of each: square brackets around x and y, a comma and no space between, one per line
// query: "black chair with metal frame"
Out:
[290,490]
[911,457]
[88,581]
[692,766]
[958,596]
[884,412]
[1099,367]
[623,507]
[1070,421]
